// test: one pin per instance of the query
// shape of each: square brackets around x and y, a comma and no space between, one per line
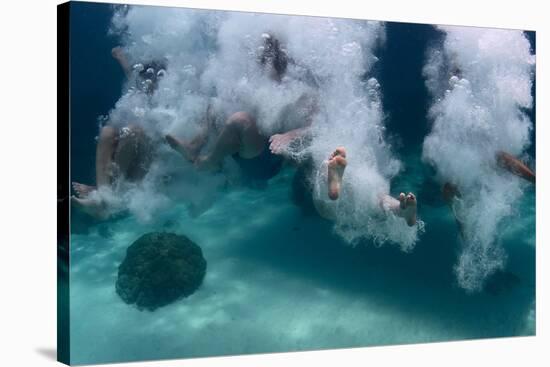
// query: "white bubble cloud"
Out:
[480,81]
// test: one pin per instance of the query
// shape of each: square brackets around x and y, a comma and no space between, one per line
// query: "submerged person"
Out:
[404,206]
[450,192]
[121,154]
[257,154]
[142,76]
[124,152]
[241,139]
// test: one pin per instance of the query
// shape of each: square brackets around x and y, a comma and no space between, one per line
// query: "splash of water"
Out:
[480,80]
[212,64]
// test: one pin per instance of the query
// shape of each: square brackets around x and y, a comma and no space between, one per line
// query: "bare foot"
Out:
[82,190]
[336,166]
[95,208]
[404,206]
[407,208]
[278,143]
[187,150]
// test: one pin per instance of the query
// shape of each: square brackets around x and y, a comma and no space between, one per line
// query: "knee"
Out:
[240,119]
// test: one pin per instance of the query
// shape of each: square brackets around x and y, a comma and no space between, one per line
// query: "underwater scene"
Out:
[257,183]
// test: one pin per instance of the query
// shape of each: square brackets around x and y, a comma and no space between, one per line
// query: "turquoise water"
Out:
[280,281]
[278,277]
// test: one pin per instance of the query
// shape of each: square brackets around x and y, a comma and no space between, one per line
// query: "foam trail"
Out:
[480,80]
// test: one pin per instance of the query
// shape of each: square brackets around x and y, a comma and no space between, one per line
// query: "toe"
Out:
[411,199]
[402,200]
[341,151]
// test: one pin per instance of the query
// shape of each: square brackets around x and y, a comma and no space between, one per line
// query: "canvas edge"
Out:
[63,184]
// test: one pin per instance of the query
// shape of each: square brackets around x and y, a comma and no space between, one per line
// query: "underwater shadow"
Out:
[421,283]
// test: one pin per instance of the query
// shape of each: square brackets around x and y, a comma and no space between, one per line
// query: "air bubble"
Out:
[453,80]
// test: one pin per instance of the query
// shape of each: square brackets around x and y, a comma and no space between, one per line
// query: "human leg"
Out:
[239,135]
[333,168]
[515,166]
[105,149]
[404,206]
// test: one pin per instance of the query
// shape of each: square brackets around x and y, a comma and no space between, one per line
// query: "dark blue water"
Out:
[96,83]
[405,95]
[279,264]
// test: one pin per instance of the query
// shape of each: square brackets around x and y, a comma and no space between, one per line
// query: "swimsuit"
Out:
[260,168]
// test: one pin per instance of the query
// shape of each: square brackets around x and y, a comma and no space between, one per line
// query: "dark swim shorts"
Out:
[260,168]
